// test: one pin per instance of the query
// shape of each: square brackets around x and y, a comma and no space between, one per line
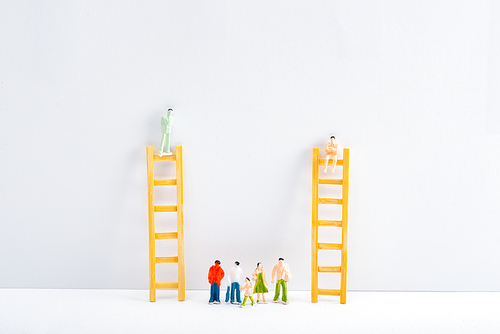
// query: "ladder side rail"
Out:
[151,220]
[314,245]
[180,225]
[345,197]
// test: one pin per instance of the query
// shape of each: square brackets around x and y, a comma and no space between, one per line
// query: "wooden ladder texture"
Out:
[316,201]
[180,285]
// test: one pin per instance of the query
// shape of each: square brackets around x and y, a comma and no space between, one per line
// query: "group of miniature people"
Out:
[281,272]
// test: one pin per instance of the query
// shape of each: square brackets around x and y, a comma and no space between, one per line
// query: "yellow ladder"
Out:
[179,235]
[344,182]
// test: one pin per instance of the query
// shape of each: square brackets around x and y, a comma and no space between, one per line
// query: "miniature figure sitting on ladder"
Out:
[331,150]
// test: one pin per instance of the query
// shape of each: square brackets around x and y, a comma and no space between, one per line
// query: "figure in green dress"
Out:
[166,127]
[259,276]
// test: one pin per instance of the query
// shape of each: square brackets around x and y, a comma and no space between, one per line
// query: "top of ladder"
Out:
[340,162]
[170,157]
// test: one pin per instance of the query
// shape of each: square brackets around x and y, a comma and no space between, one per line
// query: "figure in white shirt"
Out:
[234,277]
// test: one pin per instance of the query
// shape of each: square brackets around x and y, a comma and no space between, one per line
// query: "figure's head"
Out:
[247,279]
[169,112]
[259,265]
[281,260]
[217,262]
[332,138]
[236,263]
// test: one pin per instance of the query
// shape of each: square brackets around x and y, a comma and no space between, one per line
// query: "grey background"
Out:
[413,88]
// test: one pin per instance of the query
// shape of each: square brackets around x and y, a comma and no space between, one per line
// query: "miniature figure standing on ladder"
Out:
[166,127]
[180,285]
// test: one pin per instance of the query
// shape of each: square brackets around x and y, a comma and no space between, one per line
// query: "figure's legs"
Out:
[212,293]
[258,297]
[334,163]
[283,284]
[227,294]
[251,298]
[217,293]
[264,298]
[162,145]
[232,292]
[167,148]
[277,291]
[326,162]
[245,300]
[235,290]
[238,298]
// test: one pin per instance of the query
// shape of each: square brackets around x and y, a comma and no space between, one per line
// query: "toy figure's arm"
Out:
[273,273]
[169,123]
[288,273]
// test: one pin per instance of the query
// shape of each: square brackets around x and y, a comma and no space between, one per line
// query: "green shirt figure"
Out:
[166,127]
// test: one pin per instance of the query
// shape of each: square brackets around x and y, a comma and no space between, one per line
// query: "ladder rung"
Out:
[171,259]
[156,157]
[165,208]
[165,182]
[331,181]
[340,162]
[329,292]
[169,235]
[330,200]
[324,245]
[329,269]
[167,285]
[336,223]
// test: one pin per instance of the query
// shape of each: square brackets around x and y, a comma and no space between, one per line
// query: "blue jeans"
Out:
[214,293]
[234,286]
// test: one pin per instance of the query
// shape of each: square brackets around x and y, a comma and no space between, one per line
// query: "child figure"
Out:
[248,292]
[331,152]
[259,276]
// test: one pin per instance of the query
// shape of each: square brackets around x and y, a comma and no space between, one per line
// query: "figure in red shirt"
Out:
[215,275]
